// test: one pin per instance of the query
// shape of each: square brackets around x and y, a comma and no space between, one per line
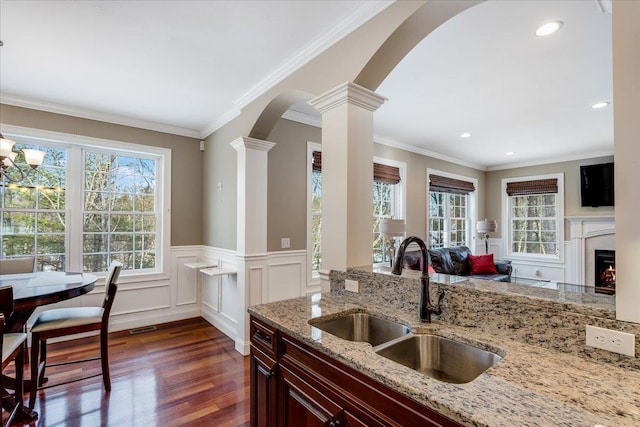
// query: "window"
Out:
[33,211]
[534,216]
[119,211]
[91,202]
[450,210]
[316,212]
[387,203]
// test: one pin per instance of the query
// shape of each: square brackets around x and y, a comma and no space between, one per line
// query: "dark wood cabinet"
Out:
[263,375]
[295,385]
[301,404]
[263,390]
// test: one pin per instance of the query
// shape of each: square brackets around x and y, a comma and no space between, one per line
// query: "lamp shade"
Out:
[487,226]
[6,146]
[33,157]
[392,227]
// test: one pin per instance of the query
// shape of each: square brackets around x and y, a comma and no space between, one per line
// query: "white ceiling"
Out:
[485,72]
[182,66]
[187,67]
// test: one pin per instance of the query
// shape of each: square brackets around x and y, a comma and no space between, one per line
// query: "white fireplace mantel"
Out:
[582,228]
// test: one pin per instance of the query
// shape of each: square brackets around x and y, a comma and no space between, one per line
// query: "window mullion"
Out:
[75,211]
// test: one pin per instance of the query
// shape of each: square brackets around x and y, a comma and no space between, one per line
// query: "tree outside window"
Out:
[385,189]
[448,219]
[119,209]
[534,216]
[32,211]
[533,224]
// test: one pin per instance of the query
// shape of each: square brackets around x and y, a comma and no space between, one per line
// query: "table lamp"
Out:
[390,228]
[485,227]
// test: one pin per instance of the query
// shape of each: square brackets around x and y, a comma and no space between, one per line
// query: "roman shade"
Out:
[538,186]
[443,184]
[381,173]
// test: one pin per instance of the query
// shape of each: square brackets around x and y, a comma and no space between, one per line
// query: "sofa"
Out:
[460,261]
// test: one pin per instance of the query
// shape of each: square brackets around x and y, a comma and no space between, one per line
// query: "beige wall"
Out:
[287,194]
[186,161]
[416,184]
[572,204]
[340,63]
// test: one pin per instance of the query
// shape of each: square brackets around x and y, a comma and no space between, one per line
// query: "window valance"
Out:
[381,173]
[444,184]
[538,186]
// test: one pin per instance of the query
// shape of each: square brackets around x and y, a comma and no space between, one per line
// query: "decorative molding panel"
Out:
[582,229]
[187,280]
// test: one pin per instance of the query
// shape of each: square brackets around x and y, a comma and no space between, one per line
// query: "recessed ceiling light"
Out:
[510,153]
[548,28]
[599,105]
[465,135]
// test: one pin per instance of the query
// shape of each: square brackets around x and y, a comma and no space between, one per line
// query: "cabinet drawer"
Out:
[263,337]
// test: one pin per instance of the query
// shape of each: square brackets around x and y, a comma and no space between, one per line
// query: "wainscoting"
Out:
[185,293]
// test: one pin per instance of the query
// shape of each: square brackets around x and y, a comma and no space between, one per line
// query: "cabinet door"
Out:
[303,405]
[263,390]
[350,420]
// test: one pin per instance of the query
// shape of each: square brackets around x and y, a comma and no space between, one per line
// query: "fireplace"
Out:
[605,272]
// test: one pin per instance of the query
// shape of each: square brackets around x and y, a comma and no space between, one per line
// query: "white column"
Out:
[626,105]
[347,175]
[251,249]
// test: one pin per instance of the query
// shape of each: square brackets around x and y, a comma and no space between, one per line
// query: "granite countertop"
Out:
[530,386]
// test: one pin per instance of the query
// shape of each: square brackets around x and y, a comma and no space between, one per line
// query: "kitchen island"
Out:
[533,385]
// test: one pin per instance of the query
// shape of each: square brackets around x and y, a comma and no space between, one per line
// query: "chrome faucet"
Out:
[426,308]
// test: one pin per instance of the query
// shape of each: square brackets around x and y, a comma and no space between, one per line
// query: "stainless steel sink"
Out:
[440,358]
[362,327]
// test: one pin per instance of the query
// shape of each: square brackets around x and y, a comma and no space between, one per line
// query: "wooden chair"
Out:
[17,265]
[70,321]
[12,346]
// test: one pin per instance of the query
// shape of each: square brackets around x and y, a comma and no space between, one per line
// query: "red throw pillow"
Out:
[482,264]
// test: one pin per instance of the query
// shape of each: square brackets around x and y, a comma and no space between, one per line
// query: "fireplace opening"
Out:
[605,274]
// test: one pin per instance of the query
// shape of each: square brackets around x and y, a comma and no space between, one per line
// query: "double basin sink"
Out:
[437,357]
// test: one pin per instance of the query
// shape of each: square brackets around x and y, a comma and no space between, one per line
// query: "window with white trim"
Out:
[534,208]
[89,203]
[450,210]
[387,203]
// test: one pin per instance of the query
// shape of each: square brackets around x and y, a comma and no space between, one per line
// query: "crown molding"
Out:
[219,122]
[310,120]
[353,21]
[304,118]
[571,158]
[363,13]
[413,149]
[51,107]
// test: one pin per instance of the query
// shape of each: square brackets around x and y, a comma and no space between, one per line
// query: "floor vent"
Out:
[142,330]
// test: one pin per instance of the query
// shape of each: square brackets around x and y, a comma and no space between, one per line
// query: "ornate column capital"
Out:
[252,143]
[348,93]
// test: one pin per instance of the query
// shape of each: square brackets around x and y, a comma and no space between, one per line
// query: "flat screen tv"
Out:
[596,185]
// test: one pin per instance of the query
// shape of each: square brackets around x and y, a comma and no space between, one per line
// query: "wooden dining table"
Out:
[32,290]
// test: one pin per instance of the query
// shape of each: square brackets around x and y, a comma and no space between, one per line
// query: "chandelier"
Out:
[33,158]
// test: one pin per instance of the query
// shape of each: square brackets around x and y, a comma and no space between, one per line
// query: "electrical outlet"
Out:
[615,341]
[285,243]
[351,285]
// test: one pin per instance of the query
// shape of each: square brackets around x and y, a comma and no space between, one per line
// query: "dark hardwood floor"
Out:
[182,374]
